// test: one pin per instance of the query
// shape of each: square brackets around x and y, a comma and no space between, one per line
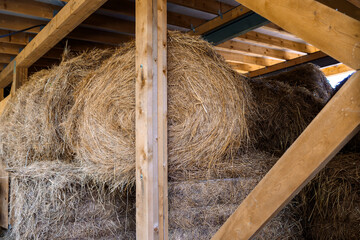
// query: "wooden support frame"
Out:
[332,28]
[326,134]
[20,76]
[151,120]
[71,15]
[336,69]
[321,140]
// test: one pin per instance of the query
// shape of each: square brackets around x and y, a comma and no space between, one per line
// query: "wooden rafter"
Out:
[290,63]
[271,41]
[245,67]
[220,20]
[321,140]
[71,15]
[254,49]
[332,28]
[151,120]
[336,69]
[241,58]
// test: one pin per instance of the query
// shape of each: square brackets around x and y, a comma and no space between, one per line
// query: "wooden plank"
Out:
[1,94]
[290,63]
[336,69]
[71,15]
[241,58]
[209,6]
[355,3]
[263,51]
[343,6]
[321,140]
[20,76]
[150,103]
[4,184]
[162,120]
[220,20]
[332,28]
[244,67]
[271,41]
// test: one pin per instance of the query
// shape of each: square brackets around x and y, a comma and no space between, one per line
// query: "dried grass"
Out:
[206,113]
[308,76]
[284,111]
[53,200]
[331,202]
[30,129]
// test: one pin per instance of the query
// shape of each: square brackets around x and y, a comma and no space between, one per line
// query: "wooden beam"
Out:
[83,33]
[71,15]
[220,20]
[151,120]
[271,41]
[209,6]
[343,6]
[254,49]
[321,140]
[241,58]
[355,3]
[290,63]
[244,67]
[1,94]
[323,27]
[20,76]
[4,184]
[336,69]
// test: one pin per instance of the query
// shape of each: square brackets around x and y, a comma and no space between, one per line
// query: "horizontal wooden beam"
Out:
[245,67]
[323,27]
[71,15]
[316,146]
[241,58]
[255,49]
[290,63]
[220,20]
[271,41]
[336,69]
[86,34]
[209,6]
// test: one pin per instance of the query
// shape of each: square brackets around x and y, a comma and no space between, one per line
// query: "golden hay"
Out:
[283,112]
[206,113]
[308,76]
[55,200]
[331,202]
[30,129]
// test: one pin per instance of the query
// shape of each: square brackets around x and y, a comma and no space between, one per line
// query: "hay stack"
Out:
[29,129]
[206,113]
[331,202]
[53,200]
[283,111]
[308,76]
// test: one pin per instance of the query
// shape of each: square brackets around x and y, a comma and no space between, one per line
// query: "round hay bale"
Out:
[30,125]
[206,113]
[308,76]
[283,112]
[331,201]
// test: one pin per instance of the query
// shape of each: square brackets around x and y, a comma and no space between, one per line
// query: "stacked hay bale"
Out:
[331,202]
[287,103]
[68,138]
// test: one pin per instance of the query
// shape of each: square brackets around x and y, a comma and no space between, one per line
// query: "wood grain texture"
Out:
[317,145]
[70,16]
[327,29]
[336,69]
[150,115]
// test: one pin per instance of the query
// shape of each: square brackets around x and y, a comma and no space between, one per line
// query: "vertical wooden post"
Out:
[19,77]
[1,94]
[151,121]
[4,195]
